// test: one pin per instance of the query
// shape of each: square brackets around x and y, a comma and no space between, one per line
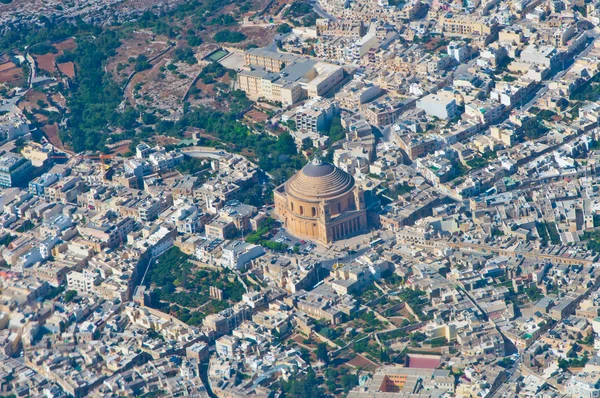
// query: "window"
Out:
[339,207]
[301,210]
[292,206]
[314,211]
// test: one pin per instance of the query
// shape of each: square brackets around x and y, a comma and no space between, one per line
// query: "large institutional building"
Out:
[287,78]
[322,203]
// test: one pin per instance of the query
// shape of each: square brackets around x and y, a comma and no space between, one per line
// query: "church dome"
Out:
[319,180]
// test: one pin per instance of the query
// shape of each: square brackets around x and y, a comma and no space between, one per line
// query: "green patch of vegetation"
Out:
[502,66]
[223,20]
[553,232]
[397,190]
[482,160]
[336,379]
[372,350]
[534,294]
[277,156]
[393,280]
[589,91]
[141,63]
[303,387]
[95,98]
[228,36]
[193,39]
[546,114]
[298,9]
[593,240]
[565,364]
[415,299]
[418,337]
[505,362]
[370,322]
[257,237]
[191,165]
[542,231]
[334,130]
[184,54]
[179,282]
[436,342]
[43,49]
[322,353]
[497,233]
[211,72]
[310,19]
[284,28]
[70,295]
[534,129]
[393,335]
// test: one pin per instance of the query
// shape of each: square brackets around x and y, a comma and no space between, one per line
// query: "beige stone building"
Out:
[322,203]
[287,79]
[466,25]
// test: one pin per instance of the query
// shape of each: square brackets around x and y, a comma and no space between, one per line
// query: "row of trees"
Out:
[228,36]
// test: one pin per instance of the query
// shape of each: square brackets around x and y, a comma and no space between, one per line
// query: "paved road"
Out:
[322,13]
[513,253]
[594,33]
[344,259]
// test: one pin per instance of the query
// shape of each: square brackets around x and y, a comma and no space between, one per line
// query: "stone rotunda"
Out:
[322,203]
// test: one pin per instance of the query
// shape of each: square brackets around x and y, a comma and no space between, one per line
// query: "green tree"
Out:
[141,63]
[70,295]
[228,36]
[306,387]
[286,144]
[322,353]
[335,131]
[284,28]
[307,144]
[349,381]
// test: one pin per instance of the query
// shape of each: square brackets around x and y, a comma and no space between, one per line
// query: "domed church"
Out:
[322,203]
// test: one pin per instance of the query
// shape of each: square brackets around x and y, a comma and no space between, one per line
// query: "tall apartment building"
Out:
[326,27]
[13,169]
[315,114]
[82,282]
